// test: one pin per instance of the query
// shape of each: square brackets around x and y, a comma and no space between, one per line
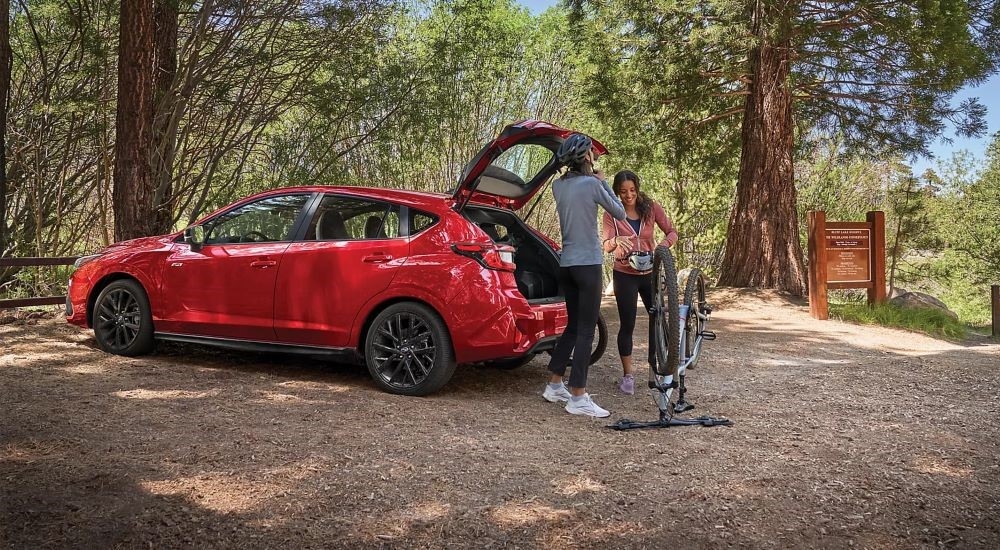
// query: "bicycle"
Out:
[679,332]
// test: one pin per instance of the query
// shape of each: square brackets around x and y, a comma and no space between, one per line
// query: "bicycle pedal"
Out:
[708,335]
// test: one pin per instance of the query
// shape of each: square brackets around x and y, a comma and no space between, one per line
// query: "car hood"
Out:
[510,195]
[140,244]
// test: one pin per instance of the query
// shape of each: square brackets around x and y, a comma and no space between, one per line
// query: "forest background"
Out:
[255,95]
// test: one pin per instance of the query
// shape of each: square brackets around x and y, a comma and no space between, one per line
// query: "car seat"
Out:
[331,226]
[373,228]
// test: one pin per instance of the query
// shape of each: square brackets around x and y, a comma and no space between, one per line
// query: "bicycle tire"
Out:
[667,320]
[600,344]
[694,299]
[600,340]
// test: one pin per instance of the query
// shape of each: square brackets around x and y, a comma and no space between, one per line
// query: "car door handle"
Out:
[263,264]
[376,258]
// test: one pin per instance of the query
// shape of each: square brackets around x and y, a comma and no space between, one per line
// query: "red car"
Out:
[413,283]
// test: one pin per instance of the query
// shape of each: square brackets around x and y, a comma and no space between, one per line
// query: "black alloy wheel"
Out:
[122,321]
[408,350]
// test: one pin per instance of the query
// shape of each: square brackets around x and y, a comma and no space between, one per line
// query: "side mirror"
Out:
[195,236]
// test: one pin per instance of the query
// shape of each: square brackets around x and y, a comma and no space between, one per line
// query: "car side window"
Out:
[266,220]
[420,221]
[352,218]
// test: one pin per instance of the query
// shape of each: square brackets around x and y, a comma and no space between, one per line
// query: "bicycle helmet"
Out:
[574,150]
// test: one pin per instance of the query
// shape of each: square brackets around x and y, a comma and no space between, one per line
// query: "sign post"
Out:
[995,307]
[845,255]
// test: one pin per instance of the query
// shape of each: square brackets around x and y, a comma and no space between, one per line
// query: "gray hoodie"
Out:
[577,197]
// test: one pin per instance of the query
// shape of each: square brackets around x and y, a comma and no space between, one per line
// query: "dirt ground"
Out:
[843,436]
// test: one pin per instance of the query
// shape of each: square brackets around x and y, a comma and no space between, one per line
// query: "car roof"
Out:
[416,199]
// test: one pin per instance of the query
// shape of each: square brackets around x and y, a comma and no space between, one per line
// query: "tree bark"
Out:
[133,179]
[164,126]
[5,65]
[762,245]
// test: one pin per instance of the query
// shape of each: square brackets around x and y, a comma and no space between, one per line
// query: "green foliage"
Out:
[974,228]
[925,320]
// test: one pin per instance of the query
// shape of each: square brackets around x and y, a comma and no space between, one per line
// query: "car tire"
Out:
[122,320]
[408,350]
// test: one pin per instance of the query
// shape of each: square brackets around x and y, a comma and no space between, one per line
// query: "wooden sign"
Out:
[845,255]
[848,255]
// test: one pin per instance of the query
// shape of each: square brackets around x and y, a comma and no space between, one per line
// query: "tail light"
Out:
[490,256]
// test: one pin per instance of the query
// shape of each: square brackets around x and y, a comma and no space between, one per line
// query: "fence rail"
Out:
[34,262]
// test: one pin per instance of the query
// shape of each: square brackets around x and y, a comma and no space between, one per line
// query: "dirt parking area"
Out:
[843,436]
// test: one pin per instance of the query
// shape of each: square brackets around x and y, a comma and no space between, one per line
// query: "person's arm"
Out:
[607,199]
[665,225]
[608,233]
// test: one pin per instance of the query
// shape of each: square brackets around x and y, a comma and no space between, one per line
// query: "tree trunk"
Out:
[133,180]
[762,244]
[164,127]
[5,64]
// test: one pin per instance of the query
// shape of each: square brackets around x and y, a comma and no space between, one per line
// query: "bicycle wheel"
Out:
[600,340]
[694,299]
[600,344]
[666,331]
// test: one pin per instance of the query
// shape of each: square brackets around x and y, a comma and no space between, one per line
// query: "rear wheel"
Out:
[408,350]
[122,321]
[694,299]
[667,319]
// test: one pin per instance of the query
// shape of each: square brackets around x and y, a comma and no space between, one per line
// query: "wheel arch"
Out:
[381,306]
[101,284]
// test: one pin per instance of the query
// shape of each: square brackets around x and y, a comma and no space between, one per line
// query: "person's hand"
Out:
[624,246]
[599,174]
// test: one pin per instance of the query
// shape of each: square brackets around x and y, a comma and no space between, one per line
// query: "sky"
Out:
[988,94]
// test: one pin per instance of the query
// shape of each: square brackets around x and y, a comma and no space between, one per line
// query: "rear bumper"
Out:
[512,331]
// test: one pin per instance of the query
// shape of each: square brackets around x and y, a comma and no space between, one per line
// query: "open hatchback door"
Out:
[509,170]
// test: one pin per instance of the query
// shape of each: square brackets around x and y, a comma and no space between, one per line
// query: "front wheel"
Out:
[667,318]
[122,321]
[408,350]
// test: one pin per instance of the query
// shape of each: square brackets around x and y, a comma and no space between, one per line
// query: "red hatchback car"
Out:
[411,283]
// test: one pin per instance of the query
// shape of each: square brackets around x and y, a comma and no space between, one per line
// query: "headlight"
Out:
[85,259]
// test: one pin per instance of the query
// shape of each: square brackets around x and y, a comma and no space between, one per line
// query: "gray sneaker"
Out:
[560,394]
[585,405]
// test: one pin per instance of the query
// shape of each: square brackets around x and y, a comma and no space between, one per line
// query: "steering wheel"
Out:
[256,236]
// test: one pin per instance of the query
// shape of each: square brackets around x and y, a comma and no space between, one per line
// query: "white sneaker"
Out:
[586,406]
[556,395]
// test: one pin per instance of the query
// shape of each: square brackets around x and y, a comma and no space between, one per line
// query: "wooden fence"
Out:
[34,262]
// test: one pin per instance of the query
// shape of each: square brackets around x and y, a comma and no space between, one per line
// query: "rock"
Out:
[918,300]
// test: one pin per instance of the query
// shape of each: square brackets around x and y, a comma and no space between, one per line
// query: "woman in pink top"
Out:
[636,233]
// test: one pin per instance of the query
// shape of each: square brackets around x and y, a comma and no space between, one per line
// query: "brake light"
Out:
[490,256]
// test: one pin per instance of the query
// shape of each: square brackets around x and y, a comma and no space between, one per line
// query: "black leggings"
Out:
[627,288]
[581,285]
